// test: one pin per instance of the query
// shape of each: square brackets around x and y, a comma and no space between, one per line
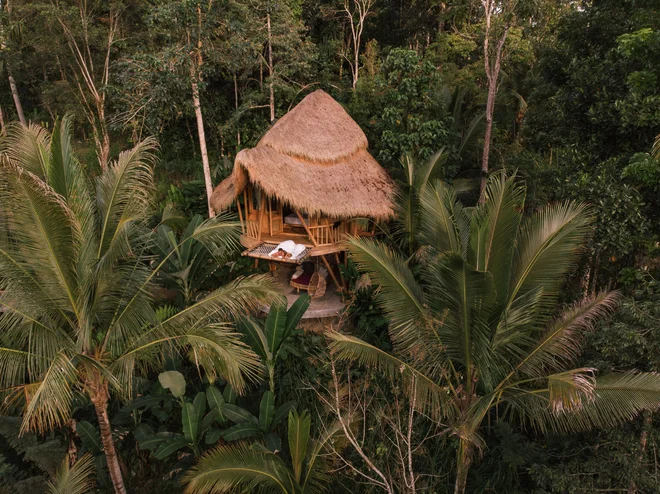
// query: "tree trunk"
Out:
[493,74]
[490,110]
[104,141]
[238,127]
[100,399]
[270,70]
[202,142]
[643,440]
[17,98]
[463,463]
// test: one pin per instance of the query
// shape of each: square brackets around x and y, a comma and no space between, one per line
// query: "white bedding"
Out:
[296,250]
[292,219]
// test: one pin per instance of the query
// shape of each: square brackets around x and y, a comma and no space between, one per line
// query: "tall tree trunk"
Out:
[270,70]
[202,143]
[238,128]
[99,396]
[643,441]
[463,463]
[104,141]
[490,110]
[492,64]
[195,66]
[17,98]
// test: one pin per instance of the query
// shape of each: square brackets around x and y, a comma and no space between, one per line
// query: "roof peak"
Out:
[318,130]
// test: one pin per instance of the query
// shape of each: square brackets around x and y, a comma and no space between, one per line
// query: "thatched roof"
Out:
[315,159]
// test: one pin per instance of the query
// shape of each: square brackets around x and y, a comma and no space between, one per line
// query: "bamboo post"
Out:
[270,218]
[240,215]
[325,261]
[261,214]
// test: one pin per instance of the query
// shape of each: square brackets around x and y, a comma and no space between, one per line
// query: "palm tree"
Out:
[415,177]
[256,468]
[76,287]
[478,335]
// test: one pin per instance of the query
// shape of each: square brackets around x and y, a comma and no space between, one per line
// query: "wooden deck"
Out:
[329,305]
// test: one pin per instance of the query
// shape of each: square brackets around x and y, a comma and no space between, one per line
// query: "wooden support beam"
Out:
[240,215]
[325,261]
[261,214]
[270,218]
[245,203]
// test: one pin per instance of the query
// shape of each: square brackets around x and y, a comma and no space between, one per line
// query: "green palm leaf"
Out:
[49,401]
[547,246]
[441,218]
[501,214]
[125,193]
[561,343]
[615,398]
[75,479]
[298,436]
[400,295]
[239,466]
[430,396]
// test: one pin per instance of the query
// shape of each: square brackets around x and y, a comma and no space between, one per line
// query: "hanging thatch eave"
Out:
[314,159]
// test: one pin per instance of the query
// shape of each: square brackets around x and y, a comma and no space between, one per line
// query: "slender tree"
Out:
[478,337]
[356,12]
[10,33]
[195,74]
[499,16]
[77,283]
[87,65]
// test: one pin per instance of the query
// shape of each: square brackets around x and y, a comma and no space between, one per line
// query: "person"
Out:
[281,254]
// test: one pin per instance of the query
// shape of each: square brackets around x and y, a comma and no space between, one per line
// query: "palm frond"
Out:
[501,214]
[616,398]
[441,218]
[13,367]
[219,235]
[399,294]
[462,298]
[193,330]
[49,401]
[239,466]
[561,343]
[472,134]
[547,246]
[429,395]
[125,193]
[75,479]
[315,479]
[298,436]
[27,147]
[431,170]
[569,390]
[43,225]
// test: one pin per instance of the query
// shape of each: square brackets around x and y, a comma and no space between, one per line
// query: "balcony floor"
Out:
[329,305]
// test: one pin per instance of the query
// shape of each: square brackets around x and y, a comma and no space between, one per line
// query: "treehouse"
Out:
[310,180]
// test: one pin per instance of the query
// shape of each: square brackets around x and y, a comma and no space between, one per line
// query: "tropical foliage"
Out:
[255,467]
[129,322]
[477,337]
[77,283]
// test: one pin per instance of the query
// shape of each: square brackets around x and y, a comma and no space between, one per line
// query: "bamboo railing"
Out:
[324,234]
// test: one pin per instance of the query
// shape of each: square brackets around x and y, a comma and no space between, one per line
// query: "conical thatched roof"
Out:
[315,159]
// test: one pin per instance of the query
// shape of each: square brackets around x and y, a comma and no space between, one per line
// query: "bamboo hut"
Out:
[310,179]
